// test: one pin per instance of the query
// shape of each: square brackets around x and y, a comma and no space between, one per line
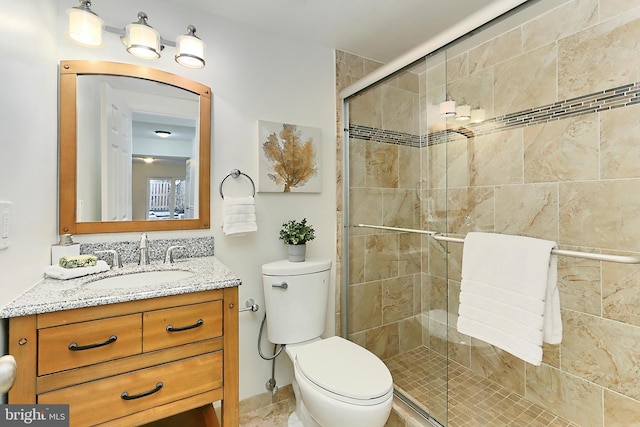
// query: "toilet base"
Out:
[294,421]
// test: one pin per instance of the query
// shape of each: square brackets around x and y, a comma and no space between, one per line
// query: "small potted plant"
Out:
[296,234]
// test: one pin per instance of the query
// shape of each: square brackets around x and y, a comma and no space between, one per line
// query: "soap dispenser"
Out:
[65,247]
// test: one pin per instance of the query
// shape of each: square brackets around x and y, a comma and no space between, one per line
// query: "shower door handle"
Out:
[282,285]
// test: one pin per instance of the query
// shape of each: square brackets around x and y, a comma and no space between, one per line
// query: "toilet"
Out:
[336,382]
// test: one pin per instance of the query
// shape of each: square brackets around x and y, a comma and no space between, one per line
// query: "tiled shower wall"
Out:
[557,158]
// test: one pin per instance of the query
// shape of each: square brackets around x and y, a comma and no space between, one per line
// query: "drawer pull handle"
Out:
[125,395]
[75,347]
[170,328]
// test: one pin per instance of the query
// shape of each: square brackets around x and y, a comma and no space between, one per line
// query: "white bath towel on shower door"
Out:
[509,294]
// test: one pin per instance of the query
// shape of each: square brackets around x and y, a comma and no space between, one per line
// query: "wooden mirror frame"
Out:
[68,224]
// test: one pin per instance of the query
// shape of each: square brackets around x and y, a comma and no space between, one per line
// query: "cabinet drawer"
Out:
[181,325]
[80,344]
[99,401]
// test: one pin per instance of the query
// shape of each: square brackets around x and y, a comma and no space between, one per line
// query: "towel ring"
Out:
[236,173]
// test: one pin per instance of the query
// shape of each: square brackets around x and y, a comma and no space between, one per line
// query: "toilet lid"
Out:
[344,368]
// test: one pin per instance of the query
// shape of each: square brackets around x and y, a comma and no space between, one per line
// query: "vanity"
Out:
[157,353]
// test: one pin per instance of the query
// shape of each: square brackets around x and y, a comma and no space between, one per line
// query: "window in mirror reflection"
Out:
[138,130]
[167,198]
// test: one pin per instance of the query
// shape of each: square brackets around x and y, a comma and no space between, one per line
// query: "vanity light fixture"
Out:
[85,26]
[190,49]
[463,112]
[477,115]
[448,108]
[162,133]
[139,38]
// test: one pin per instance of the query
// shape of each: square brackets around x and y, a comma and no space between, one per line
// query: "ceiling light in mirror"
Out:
[163,133]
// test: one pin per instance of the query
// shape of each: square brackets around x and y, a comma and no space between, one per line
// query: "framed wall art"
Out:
[289,158]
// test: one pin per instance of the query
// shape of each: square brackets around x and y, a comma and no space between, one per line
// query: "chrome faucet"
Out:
[168,256]
[144,250]
[116,261]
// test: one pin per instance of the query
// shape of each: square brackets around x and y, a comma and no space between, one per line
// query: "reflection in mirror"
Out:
[139,140]
[140,149]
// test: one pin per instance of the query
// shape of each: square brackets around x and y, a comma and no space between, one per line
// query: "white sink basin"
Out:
[134,280]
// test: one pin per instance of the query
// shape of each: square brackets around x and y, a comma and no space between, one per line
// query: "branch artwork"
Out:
[289,158]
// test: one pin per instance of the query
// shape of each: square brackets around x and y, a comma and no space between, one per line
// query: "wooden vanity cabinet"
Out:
[133,363]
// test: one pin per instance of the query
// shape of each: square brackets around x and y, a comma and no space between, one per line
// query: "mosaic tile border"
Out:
[604,100]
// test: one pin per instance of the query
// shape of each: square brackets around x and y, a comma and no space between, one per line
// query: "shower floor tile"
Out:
[472,400]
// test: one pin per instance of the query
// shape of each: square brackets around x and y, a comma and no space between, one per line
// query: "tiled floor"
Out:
[473,400]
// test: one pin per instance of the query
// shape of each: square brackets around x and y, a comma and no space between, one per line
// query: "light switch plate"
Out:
[5,224]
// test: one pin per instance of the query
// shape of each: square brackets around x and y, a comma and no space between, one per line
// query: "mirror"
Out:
[134,149]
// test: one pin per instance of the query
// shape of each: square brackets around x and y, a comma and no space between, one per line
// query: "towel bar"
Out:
[236,173]
[623,259]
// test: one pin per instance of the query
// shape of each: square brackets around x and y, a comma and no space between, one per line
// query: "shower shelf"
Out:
[623,259]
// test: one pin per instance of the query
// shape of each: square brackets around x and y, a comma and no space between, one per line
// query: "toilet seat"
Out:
[344,371]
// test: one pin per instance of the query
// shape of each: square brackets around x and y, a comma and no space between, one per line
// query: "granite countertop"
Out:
[50,295]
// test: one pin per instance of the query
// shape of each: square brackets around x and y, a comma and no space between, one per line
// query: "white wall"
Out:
[253,75]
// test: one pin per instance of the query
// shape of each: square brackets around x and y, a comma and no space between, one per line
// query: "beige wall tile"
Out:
[562,150]
[602,351]
[527,210]
[580,284]
[525,81]
[620,411]
[565,395]
[499,366]
[365,109]
[587,218]
[410,164]
[619,141]
[457,67]
[381,165]
[611,60]
[356,259]
[621,292]
[471,209]
[399,110]
[496,159]
[458,161]
[496,50]
[397,299]
[409,334]
[611,8]
[365,308]
[381,257]
[356,162]
[400,208]
[383,341]
[565,20]
[365,208]
[410,255]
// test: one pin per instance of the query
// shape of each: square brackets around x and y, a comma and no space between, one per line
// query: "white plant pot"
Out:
[297,252]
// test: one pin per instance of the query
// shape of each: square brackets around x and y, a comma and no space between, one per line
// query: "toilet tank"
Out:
[295,295]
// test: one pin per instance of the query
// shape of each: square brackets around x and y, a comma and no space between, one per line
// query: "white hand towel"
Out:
[57,272]
[509,293]
[239,215]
